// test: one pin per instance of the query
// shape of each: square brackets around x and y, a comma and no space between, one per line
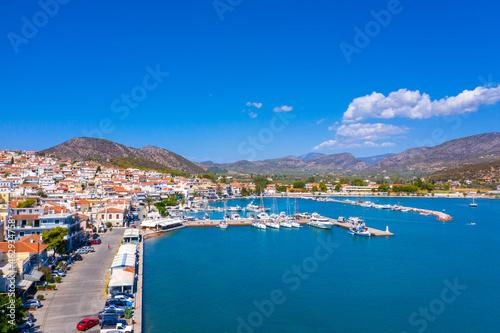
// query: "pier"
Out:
[440,215]
[248,222]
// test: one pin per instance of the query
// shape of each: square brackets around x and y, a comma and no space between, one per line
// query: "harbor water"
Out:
[430,276]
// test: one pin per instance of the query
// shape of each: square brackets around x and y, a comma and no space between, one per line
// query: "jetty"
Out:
[248,222]
[441,216]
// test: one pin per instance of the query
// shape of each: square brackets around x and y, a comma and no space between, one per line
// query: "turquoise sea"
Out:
[430,276]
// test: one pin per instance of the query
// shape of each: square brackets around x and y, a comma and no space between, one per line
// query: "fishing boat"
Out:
[358,227]
[473,204]
[223,225]
[234,209]
[236,216]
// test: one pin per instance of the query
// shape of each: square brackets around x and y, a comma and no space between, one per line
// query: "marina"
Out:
[302,222]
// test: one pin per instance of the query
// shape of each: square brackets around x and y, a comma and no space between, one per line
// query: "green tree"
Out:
[314,188]
[11,160]
[148,201]
[383,188]
[299,184]
[310,179]
[357,182]
[98,169]
[338,187]
[26,203]
[7,324]
[260,183]
[54,239]
[446,187]
[322,187]
[183,202]
[109,225]
[42,194]
[62,165]
[281,188]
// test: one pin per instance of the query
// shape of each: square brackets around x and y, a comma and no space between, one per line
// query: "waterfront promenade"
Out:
[81,294]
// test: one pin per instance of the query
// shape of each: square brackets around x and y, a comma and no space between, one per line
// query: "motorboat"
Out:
[286,224]
[234,209]
[263,216]
[236,216]
[319,222]
[341,219]
[223,225]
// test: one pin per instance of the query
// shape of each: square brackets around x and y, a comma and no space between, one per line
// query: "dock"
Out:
[248,222]
[441,216]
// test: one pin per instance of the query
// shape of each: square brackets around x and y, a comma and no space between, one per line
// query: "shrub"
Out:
[51,286]
[61,264]
[40,297]
[57,279]
[40,287]
[49,278]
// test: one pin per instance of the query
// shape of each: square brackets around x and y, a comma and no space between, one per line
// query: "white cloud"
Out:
[335,144]
[370,132]
[253,115]
[333,127]
[257,105]
[414,105]
[361,136]
[320,121]
[283,108]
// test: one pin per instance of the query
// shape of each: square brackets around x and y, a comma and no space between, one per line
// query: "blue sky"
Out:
[267,80]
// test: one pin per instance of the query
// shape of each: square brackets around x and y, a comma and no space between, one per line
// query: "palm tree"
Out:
[148,201]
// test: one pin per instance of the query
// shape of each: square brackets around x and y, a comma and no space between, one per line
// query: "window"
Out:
[21,234]
[56,222]
[102,216]
[117,216]
[110,216]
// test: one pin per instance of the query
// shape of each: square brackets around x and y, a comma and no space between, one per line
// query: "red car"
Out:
[87,323]
[95,242]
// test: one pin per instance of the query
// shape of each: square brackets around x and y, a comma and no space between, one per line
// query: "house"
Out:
[114,215]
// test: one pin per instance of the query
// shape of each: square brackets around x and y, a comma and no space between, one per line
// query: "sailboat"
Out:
[473,204]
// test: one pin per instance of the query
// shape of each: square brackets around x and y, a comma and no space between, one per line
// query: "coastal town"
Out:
[69,220]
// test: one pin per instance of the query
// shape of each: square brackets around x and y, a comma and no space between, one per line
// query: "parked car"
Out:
[109,321]
[95,241]
[87,323]
[120,327]
[123,294]
[77,257]
[126,298]
[95,236]
[26,324]
[115,307]
[32,303]
[133,226]
[56,272]
[81,251]
[88,248]
[111,313]
[115,301]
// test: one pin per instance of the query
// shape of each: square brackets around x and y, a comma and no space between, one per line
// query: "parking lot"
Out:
[81,294]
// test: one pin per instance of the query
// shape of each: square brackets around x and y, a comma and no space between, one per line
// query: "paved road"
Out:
[81,294]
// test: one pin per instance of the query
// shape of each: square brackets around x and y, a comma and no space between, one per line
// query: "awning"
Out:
[123,260]
[34,276]
[23,284]
[121,278]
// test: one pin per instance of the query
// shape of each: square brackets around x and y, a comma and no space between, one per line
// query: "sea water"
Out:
[431,276]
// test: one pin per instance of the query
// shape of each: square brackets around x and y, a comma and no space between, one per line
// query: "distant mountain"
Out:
[293,164]
[309,156]
[485,170]
[83,148]
[374,159]
[469,150]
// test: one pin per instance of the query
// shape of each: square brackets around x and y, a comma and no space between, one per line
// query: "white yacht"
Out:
[223,225]
[285,224]
[263,216]
[259,225]
[271,224]
[319,222]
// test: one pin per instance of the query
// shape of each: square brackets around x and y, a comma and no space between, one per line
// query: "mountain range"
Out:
[482,148]
[105,150]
